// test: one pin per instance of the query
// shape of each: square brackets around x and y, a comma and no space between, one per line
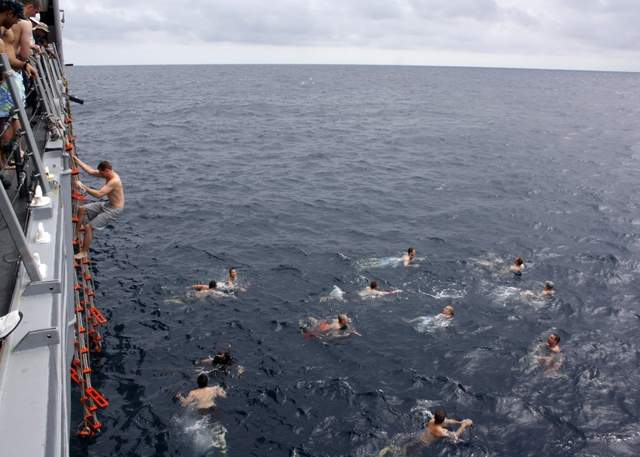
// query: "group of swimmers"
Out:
[203,397]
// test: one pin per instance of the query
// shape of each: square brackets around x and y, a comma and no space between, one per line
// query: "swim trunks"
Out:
[101,214]
[7,104]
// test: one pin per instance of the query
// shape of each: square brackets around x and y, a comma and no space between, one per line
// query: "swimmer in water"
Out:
[436,428]
[204,396]
[211,289]
[373,291]
[553,361]
[518,265]
[547,292]
[231,283]
[223,361]
[425,324]
[223,358]
[447,312]
[232,279]
[335,327]
[202,287]
[409,256]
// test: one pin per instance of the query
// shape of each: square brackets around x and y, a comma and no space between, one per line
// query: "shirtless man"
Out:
[373,291]
[100,213]
[203,397]
[204,287]
[549,289]
[211,289]
[232,279]
[23,30]
[436,428]
[553,361]
[518,265]
[409,256]
[547,292]
[447,312]
[341,325]
[10,13]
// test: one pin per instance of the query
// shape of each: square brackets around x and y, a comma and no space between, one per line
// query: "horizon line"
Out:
[478,67]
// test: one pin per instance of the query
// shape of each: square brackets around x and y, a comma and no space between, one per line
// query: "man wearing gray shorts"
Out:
[102,213]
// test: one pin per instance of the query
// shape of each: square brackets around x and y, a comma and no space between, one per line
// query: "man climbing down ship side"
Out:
[100,213]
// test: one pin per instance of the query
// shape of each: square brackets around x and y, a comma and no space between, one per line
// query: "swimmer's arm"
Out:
[200,287]
[465,423]
[185,401]
[452,422]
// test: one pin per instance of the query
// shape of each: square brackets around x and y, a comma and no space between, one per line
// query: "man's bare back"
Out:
[204,397]
[22,33]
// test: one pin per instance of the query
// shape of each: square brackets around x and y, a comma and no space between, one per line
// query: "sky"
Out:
[563,34]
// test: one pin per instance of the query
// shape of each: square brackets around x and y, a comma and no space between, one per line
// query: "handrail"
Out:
[7,73]
[46,87]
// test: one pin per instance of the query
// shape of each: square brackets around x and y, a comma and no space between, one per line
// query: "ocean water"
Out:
[310,177]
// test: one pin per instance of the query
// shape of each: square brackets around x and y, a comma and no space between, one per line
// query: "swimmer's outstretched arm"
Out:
[465,424]
[200,287]
[452,422]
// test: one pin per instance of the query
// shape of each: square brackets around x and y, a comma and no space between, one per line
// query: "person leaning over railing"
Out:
[10,13]
[23,39]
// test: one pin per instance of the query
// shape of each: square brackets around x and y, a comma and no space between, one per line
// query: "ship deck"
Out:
[9,256]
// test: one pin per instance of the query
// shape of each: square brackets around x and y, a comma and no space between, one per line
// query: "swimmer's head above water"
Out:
[373,285]
[212,285]
[409,256]
[233,273]
[343,320]
[553,342]
[518,265]
[448,311]
[203,380]
[439,416]
[549,288]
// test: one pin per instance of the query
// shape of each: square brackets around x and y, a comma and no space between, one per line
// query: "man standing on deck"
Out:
[23,30]
[10,13]
[100,213]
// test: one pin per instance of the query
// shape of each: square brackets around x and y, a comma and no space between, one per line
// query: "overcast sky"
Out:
[572,34]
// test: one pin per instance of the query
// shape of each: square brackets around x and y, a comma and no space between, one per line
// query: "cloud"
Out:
[539,27]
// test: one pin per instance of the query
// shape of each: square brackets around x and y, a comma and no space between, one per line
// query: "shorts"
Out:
[7,104]
[101,214]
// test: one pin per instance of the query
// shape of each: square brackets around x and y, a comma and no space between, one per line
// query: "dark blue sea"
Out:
[310,177]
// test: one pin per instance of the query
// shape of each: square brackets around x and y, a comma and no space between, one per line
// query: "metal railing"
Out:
[50,89]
